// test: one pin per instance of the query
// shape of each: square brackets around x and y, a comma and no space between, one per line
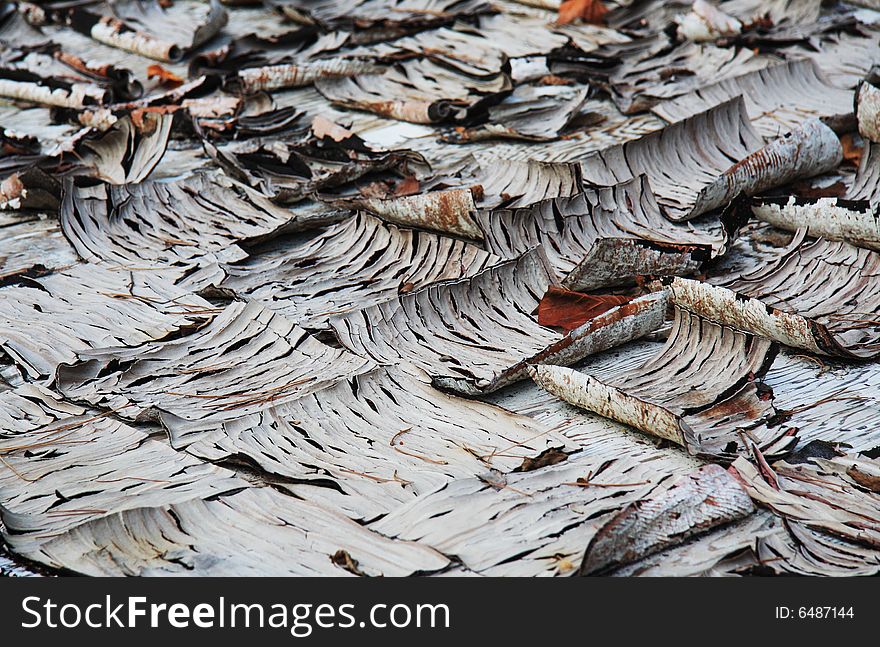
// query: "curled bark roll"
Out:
[115,33]
[74,95]
[868,111]
[295,75]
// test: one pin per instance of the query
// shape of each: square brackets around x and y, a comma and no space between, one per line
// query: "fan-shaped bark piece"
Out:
[256,532]
[831,509]
[681,160]
[548,515]
[380,440]
[811,149]
[130,150]
[533,113]
[247,359]
[380,19]
[821,296]
[712,405]
[866,185]
[855,222]
[149,29]
[868,111]
[475,335]
[89,306]
[418,91]
[845,56]
[696,503]
[645,71]
[291,171]
[518,183]
[690,179]
[354,264]
[778,98]
[33,245]
[726,551]
[181,224]
[64,466]
[594,236]
[449,211]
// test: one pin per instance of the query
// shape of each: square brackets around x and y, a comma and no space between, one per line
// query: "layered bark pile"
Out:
[439,287]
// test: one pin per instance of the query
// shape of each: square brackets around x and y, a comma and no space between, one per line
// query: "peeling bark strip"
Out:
[682,160]
[868,111]
[704,499]
[857,223]
[147,29]
[447,211]
[176,225]
[839,317]
[74,95]
[712,406]
[115,33]
[617,262]
[273,77]
[531,113]
[476,335]
[778,98]
[832,515]
[290,171]
[89,306]
[811,149]
[49,75]
[644,71]
[583,233]
[246,360]
[380,440]
[354,264]
[418,91]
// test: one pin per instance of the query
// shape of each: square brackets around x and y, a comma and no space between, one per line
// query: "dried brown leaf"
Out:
[561,308]
[589,11]
[165,77]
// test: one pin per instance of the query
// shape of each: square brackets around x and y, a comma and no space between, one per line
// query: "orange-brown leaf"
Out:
[590,11]
[852,152]
[561,308]
[166,77]
[323,127]
[407,186]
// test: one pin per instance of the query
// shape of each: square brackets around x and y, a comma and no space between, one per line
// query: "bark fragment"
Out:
[593,236]
[696,503]
[855,222]
[464,353]
[868,111]
[247,359]
[352,265]
[778,98]
[715,403]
